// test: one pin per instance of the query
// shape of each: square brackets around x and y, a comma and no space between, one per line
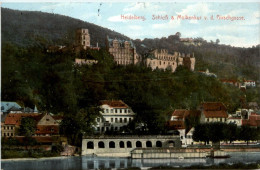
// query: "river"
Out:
[86,162]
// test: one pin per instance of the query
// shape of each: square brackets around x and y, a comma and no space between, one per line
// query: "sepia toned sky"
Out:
[244,32]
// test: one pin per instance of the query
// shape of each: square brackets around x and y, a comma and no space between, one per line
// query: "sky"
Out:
[243,31]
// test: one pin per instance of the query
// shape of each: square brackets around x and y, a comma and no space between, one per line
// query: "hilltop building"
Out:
[162,59]
[115,115]
[123,51]
[82,38]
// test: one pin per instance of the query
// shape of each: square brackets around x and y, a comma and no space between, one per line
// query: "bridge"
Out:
[121,146]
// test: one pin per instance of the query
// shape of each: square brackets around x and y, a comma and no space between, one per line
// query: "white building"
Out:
[115,115]
[249,83]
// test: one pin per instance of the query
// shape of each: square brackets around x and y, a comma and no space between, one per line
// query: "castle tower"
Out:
[83,38]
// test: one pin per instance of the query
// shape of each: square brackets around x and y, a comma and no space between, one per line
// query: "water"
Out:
[85,162]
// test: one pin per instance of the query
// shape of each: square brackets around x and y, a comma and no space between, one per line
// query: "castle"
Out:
[124,53]
[82,38]
[162,59]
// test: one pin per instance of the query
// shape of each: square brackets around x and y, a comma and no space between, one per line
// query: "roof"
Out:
[121,42]
[7,105]
[15,118]
[253,120]
[215,114]
[182,113]
[213,106]
[114,103]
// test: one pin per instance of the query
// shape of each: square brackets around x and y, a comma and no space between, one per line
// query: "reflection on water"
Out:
[83,163]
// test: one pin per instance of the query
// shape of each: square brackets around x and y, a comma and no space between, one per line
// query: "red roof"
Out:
[47,129]
[253,120]
[114,103]
[181,113]
[15,118]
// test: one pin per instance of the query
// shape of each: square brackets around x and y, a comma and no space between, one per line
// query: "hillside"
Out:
[28,28]
[25,28]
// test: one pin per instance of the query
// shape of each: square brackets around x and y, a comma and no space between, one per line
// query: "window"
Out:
[101,144]
[102,129]
[158,144]
[121,144]
[90,145]
[125,120]
[116,120]
[130,119]
[111,144]
[138,144]
[148,144]
[107,111]
[98,128]
[116,110]
[120,110]
[4,127]
[112,111]
[121,120]
[107,128]
[47,119]
[112,119]
[129,144]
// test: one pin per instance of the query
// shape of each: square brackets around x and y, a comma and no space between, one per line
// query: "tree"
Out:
[201,133]
[248,133]
[27,127]
[75,126]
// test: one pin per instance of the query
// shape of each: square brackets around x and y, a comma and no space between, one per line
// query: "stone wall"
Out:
[123,145]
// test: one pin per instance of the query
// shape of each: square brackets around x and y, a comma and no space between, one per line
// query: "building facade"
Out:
[123,51]
[213,112]
[115,115]
[162,59]
[82,38]
[177,122]
[46,125]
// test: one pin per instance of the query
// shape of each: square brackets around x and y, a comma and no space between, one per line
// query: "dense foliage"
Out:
[55,84]
[216,132]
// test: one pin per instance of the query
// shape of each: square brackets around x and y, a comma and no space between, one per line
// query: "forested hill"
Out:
[30,28]
[26,28]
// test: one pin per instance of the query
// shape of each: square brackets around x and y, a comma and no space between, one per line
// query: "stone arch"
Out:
[90,145]
[112,144]
[158,144]
[138,144]
[101,144]
[129,144]
[171,143]
[148,144]
[121,144]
